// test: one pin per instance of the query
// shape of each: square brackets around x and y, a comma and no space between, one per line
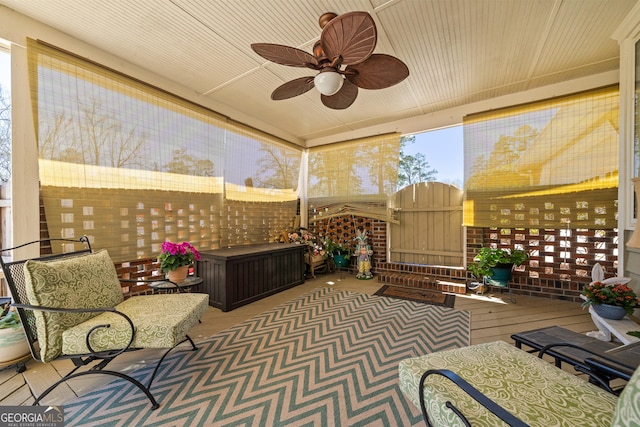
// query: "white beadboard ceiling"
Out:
[458,52]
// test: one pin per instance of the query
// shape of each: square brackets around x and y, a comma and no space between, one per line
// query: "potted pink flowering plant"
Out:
[177,256]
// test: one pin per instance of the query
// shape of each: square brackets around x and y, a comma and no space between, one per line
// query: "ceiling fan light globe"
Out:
[328,82]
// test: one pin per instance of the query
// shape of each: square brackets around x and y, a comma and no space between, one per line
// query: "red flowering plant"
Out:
[176,255]
[619,294]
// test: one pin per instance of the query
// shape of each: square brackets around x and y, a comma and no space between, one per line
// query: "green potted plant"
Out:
[339,252]
[495,264]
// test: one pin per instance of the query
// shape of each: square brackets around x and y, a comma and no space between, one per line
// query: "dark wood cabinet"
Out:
[240,275]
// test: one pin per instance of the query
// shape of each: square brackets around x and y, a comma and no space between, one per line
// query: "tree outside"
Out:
[415,168]
[5,135]
[278,168]
[187,164]
[498,167]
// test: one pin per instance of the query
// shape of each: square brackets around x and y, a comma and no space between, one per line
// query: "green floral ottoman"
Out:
[530,388]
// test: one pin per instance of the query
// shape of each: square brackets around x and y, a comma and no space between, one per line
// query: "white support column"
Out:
[25,209]
[627,34]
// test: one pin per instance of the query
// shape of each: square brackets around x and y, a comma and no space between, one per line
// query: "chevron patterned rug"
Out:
[327,358]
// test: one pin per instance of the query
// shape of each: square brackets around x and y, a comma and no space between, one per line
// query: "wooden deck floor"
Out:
[492,318]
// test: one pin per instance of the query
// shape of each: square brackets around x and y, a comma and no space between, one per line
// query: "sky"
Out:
[443,150]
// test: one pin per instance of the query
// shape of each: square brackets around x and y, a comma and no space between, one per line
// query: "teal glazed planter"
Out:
[340,260]
[500,277]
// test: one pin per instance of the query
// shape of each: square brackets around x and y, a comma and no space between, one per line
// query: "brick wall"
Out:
[559,266]
[344,228]
[560,260]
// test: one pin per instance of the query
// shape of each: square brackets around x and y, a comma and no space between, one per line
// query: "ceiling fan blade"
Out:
[378,72]
[343,99]
[285,55]
[293,88]
[352,35]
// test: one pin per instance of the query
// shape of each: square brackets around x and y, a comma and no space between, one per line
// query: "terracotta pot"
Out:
[179,274]
[13,344]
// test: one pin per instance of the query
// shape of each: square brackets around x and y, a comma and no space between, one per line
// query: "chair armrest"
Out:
[600,355]
[584,368]
[473,392]
[159,279]
[66,310]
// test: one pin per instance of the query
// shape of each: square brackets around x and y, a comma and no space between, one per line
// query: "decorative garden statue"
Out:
[363,252]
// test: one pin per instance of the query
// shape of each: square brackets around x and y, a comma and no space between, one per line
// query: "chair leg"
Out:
[145,390]
[98,370]
[155,370]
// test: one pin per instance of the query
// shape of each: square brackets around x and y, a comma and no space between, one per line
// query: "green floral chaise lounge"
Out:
[496,384]
[72,306]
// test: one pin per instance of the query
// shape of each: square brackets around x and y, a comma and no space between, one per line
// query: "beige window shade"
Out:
[259,166]
[549,164]
[359,170]
[131,165]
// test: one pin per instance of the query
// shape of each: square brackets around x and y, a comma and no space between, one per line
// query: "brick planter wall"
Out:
[560,263]
[560,260]
[343,229]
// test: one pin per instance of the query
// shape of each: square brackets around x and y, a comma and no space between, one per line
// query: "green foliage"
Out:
[488,258]
[334,248]
[9,318]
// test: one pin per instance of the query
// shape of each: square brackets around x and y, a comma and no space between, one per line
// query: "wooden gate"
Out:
[430,230]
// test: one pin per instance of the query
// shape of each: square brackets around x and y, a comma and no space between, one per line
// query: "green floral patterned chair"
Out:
[496,384]
[72,306]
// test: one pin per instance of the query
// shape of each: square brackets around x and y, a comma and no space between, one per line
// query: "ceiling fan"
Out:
[344,58]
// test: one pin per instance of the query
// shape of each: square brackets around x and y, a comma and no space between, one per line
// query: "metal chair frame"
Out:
[14,275]
[492,406]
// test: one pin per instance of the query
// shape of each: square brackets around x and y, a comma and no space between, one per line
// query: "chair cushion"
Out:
[627,411]
[84,281]
[161,321]
[530,388]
